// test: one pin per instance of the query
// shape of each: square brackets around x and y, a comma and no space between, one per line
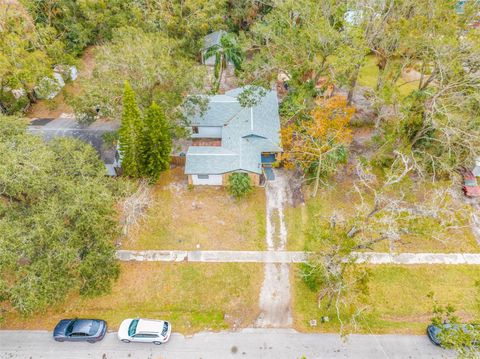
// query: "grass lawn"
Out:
[368,77]
[398,301]
[338,197]
[200,218]
[192,296]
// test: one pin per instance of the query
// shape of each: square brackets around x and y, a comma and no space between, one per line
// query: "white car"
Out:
[144,331]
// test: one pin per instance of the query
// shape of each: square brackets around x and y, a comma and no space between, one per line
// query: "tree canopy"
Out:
[318,143]
[57,220]
[155,143]
[153,64]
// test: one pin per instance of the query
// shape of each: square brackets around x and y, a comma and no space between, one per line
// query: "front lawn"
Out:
[192,296]
[339,198]
[398,301]
[203,218]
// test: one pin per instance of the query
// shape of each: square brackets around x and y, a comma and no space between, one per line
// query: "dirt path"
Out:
[275,292]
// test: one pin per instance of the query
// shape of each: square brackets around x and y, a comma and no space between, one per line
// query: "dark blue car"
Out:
[80,330]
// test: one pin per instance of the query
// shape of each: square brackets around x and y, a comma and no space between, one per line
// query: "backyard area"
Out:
[203,218]
[180,293]
[398,299]
[369,72]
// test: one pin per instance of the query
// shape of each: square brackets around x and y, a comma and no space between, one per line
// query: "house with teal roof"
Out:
[228,138]
[209,41]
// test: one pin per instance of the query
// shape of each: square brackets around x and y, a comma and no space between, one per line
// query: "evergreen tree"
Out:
[156,143]
[130,133]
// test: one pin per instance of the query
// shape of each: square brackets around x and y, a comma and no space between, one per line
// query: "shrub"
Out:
[239,184]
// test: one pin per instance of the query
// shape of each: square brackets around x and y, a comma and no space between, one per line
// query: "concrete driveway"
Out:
[249,343]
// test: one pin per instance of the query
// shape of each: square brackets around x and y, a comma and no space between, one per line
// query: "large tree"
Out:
[23,61]
[155,143]
[155,66]
[319,142]
[382,213]
[130,134]
[435,124]
[297,39]
[57,220]
[189,20]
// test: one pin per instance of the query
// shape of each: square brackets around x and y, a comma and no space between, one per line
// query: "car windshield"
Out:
[94,327]
[69,328]
[133,327]
[165,329]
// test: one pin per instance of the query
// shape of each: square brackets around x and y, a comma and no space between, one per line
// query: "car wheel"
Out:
[59,340]
[91,341]
[157,343]
[125,340]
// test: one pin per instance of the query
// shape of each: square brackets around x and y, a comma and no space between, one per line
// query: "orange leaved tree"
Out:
[319,143]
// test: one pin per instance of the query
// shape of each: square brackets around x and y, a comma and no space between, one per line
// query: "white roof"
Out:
[149,326]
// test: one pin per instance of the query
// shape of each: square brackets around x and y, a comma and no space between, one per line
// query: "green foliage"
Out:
[329,163]
[22,60]
[251,96]
[110,139]
[155,143]
[463,341]
[155,66]
[297,102]
[145,141]
[65,19]
[243,13]
[130,133]
[239,184]
[331,271]
[228,51]
[296,39]
[57,220]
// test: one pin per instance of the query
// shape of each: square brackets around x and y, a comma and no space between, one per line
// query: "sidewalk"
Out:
[293,257]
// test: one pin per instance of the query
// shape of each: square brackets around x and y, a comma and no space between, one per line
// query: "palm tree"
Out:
[226,52]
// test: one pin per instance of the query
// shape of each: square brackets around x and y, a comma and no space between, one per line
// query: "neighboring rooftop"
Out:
[212,39]
[246,133]
[68,127]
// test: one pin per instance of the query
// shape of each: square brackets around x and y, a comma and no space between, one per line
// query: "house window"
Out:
[204,177]
[195,129]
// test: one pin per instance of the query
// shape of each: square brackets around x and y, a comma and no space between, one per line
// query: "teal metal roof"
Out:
[246,133]
[212,39]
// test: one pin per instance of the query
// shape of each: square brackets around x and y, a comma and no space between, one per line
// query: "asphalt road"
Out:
[249,343]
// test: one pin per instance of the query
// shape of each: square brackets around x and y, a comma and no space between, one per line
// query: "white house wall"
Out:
[209,61]
[211,180]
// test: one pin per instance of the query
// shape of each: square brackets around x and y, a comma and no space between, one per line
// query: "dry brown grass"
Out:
[192,296]
[338,197]
[398,299]
[205,218]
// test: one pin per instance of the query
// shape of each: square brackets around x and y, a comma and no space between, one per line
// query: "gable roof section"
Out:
[212,39]
[210,160]
[246,133]
[220,110]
